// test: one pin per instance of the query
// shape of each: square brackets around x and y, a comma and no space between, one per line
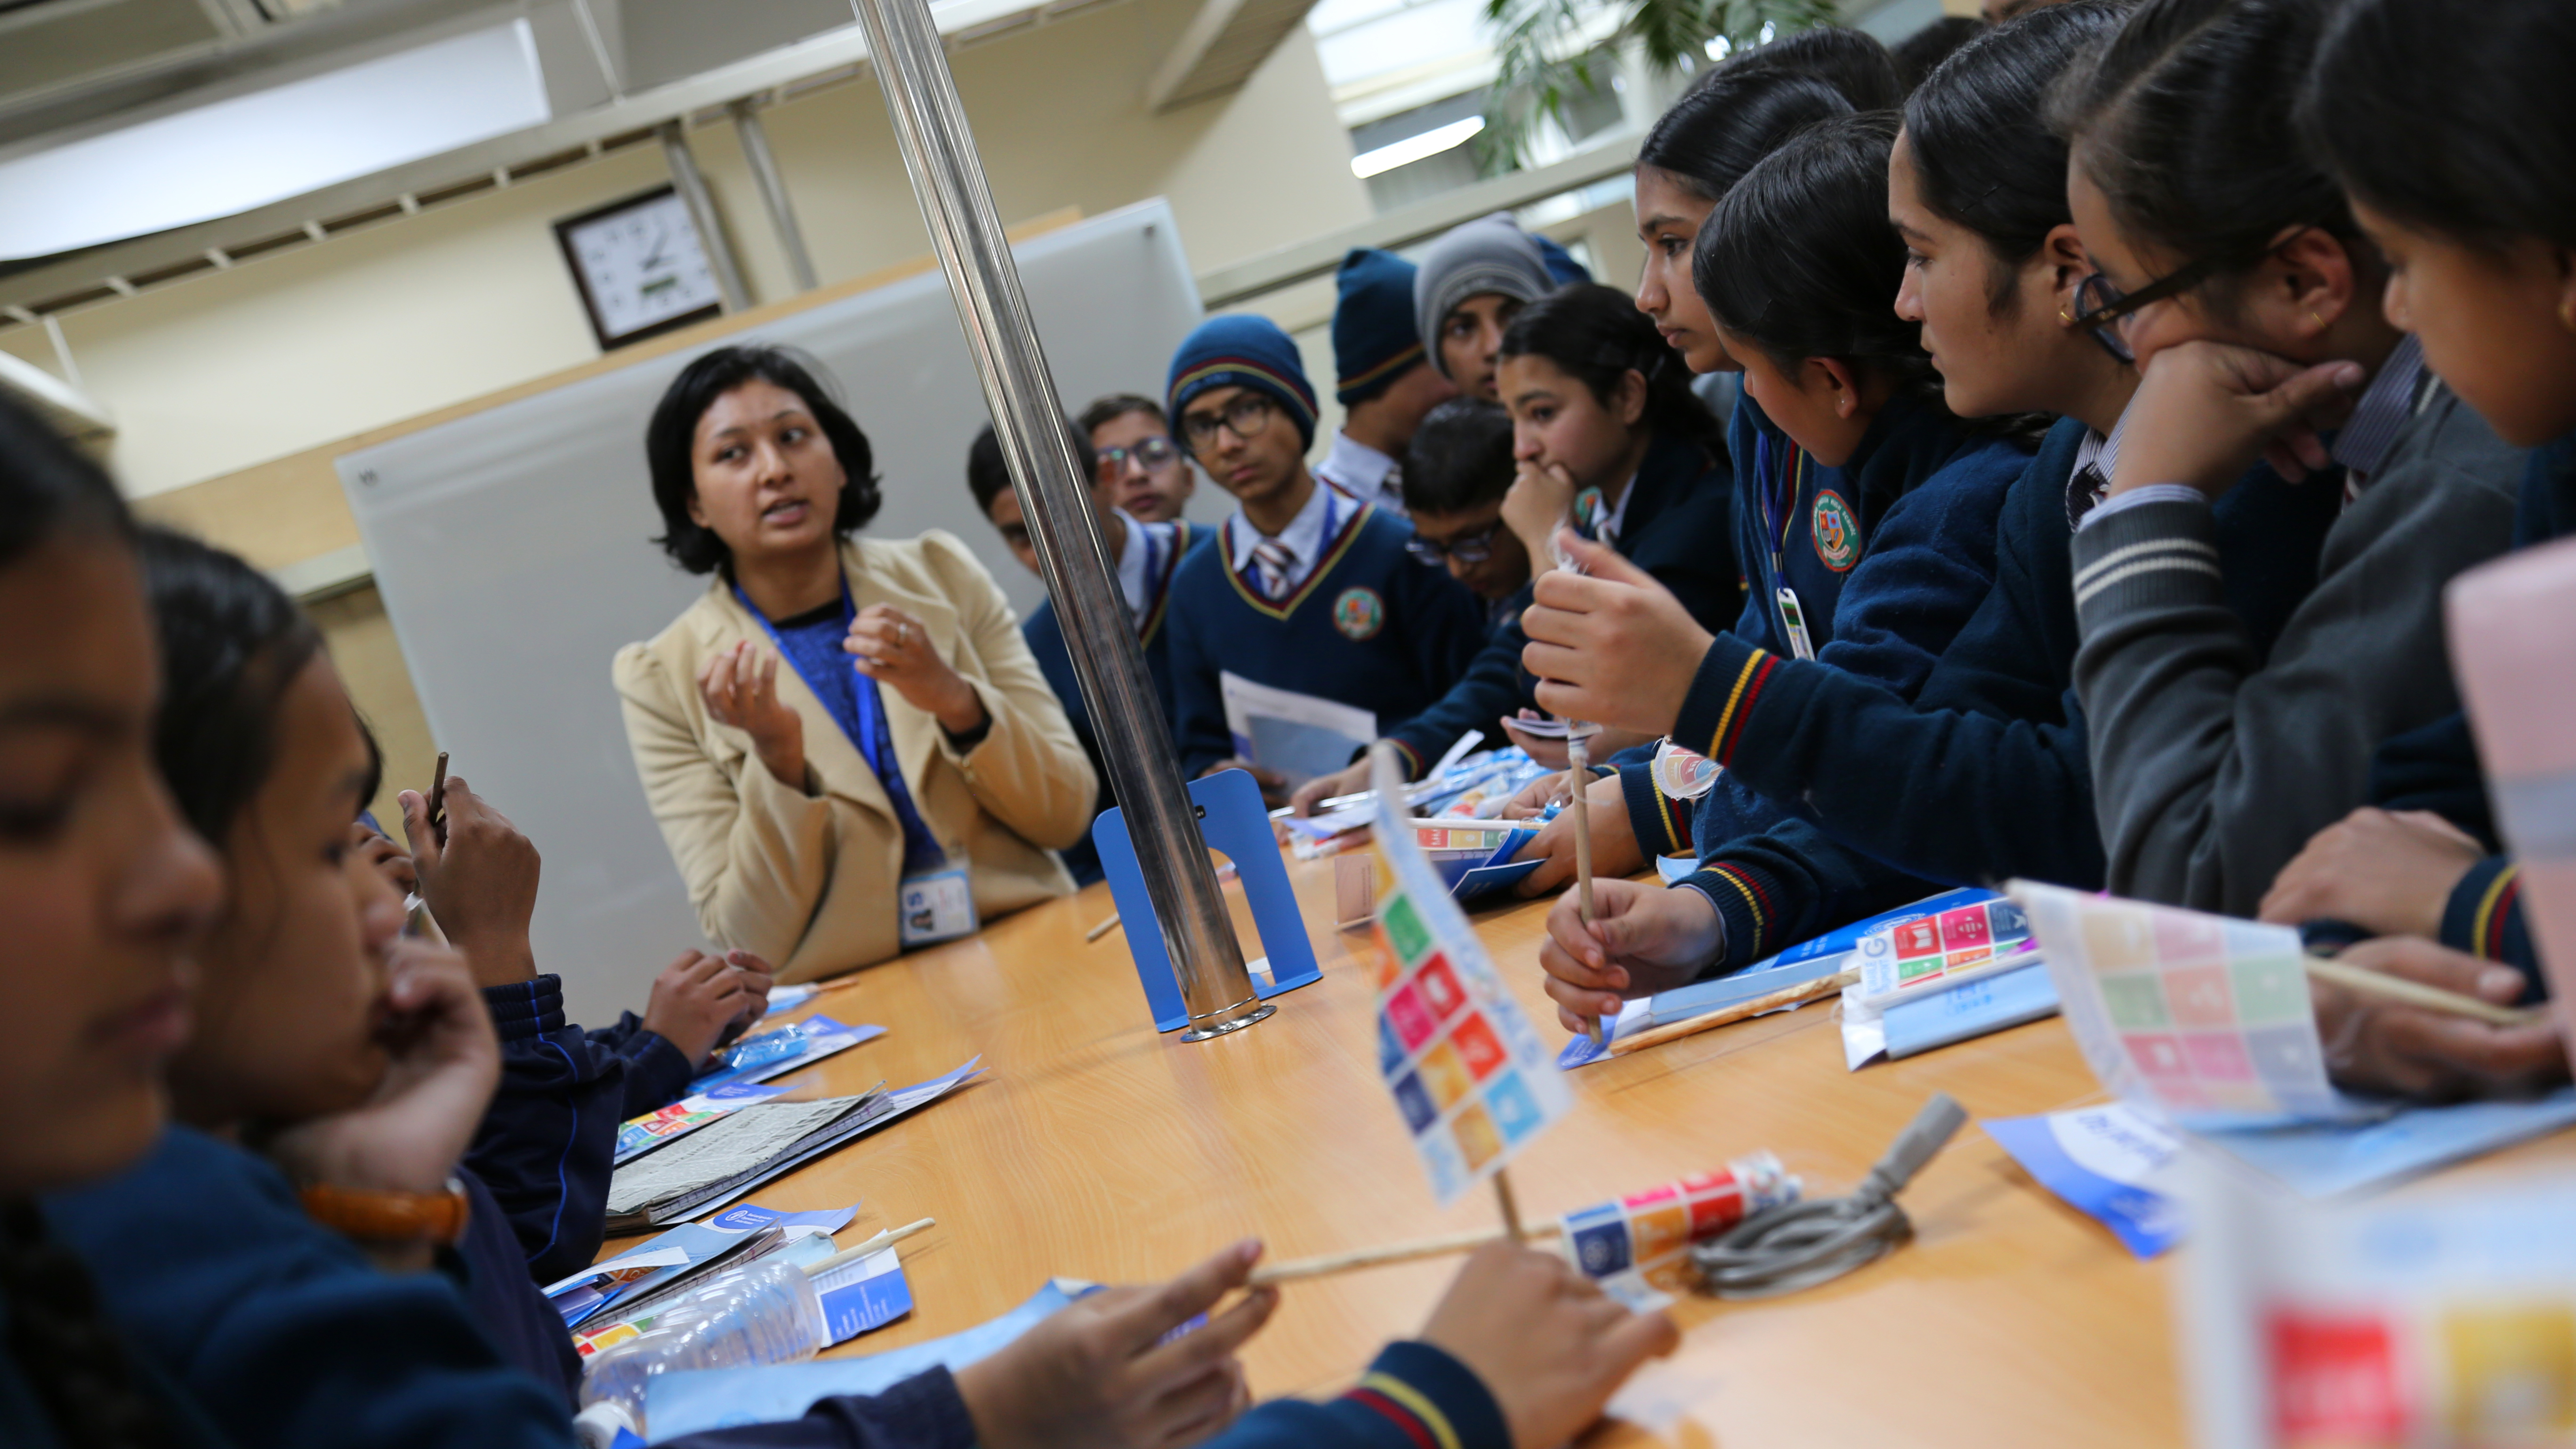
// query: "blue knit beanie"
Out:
[1243,351]
[1374,341]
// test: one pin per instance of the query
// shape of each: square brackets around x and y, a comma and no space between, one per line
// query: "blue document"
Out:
[2107,1162]
[1969,1009]
[702,1399]
[2326,1159]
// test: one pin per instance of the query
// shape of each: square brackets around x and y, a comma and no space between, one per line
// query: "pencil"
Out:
[1404,1252]
[1786,996]
[1578,777]
[877,1244]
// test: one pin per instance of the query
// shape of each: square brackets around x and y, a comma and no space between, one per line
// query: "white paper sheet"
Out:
[1298,735]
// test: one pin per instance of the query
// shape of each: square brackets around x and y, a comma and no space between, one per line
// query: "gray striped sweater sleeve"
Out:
[2211,768]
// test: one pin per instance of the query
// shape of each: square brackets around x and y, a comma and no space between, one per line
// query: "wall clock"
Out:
[641,267]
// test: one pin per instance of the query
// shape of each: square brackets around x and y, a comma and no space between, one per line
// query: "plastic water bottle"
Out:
[766,1313]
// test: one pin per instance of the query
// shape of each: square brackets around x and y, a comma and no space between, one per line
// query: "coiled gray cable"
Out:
[1801,1244]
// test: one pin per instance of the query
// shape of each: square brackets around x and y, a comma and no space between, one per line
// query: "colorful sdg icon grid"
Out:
[1956,940]
[2213,1012]
[2474,1371]
[1462,1096]
[1649,1230]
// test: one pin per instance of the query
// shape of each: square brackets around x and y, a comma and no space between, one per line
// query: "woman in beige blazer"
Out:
[793,844]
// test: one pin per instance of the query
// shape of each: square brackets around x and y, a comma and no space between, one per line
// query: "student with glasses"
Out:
[1309,591]
[2233,272]
[1455,476]
[1146,557]
[1144,471]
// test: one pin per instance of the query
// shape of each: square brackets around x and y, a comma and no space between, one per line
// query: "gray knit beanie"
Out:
[1489,254]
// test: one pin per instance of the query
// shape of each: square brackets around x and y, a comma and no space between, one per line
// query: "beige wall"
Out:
[226,370]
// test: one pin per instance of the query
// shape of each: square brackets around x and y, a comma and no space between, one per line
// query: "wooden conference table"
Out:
[1097,1149]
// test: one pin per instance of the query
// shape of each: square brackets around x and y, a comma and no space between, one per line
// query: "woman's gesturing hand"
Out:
[895,650]
[740,687]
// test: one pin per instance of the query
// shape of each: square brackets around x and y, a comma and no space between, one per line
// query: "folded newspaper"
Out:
[737,1153]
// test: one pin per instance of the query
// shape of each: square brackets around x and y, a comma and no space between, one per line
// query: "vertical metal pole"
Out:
[957,203]
[773,192]
[702,210]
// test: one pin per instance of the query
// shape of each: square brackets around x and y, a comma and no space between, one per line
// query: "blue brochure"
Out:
[2104,1161]
[2327,1159]
[1971,1008]
[701,1399]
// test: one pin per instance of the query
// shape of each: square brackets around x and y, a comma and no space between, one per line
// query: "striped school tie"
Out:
[1274,559]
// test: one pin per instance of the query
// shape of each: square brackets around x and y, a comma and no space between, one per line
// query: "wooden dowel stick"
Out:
[1773,1001]
[877,1244]
[1511,1208]
[1405,1252]
[2416,993]
[1578,782]
[1224,871]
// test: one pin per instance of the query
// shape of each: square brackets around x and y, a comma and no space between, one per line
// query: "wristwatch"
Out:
[369,1216]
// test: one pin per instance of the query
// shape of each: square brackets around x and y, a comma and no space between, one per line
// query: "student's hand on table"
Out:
[1349,780]
[740,687]
[1098,1374]
[1544,749]
[478,875]
[2376,1045]
[1644,938]
[1550,1346]
[1274,786]
[442,1061]
[697,998]
[758,976]
[2389,871]
[895,650]
[1536,506]
[2204,411]
[1615,851]
[1611,644]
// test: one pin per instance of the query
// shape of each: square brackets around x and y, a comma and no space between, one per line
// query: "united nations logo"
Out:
[1836,532]
[1359,614]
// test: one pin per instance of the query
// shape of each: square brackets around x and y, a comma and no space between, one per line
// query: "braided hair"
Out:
[64,1343]
[58,1335]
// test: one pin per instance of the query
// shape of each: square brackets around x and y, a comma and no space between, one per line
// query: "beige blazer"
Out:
[807,877]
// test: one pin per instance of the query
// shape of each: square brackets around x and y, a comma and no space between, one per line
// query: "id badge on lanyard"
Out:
[1775,531]
[938,904]
[1795,620]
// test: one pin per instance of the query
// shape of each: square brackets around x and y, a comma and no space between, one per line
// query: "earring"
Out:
[2567,313]
[2066,314]
[2315,317]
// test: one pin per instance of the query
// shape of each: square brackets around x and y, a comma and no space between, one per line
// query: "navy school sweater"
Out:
[1677,527]
[545,1144]
[1918,500]
[1983,775]
[2436,767]
[285,1336]
[1370,628]
[1045,635]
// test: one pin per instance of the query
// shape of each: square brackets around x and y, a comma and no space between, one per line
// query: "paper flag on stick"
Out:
[2516,660]
[2203,1017]
[1471,1080]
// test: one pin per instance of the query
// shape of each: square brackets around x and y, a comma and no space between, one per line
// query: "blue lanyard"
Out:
[1776,515]
[864,722]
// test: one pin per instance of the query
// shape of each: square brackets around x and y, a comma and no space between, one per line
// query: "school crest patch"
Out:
[1836,532]
[1359,614]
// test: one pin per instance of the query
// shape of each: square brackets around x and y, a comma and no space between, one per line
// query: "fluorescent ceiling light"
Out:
[248,151]
[1414,148]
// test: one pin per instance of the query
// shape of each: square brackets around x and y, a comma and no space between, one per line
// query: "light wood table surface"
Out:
[1095,1148]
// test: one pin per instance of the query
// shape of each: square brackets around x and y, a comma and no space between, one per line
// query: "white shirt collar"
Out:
[1142,546]
[2386,406]
[1608,526]
[1364,473]
[1304,536]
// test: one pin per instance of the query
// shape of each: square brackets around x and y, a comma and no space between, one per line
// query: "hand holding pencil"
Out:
[1643,938]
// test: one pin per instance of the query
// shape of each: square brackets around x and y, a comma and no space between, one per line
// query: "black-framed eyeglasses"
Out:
[1472,547]
[1151,454]
[1247,414]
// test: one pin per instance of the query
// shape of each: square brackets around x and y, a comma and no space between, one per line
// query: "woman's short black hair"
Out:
[1596,335]
[1731,118]
[48,488]
[1800,258]
[1459,459]
[1983,152]
[670,438]
[2456,117]
[231,644]
[2184,123]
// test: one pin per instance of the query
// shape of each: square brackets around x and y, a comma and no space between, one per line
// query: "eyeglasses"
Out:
[1152,454]
[1247,415]
[1467,548]
[2099,305]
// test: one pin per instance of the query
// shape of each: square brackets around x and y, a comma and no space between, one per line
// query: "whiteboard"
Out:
[512,550]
